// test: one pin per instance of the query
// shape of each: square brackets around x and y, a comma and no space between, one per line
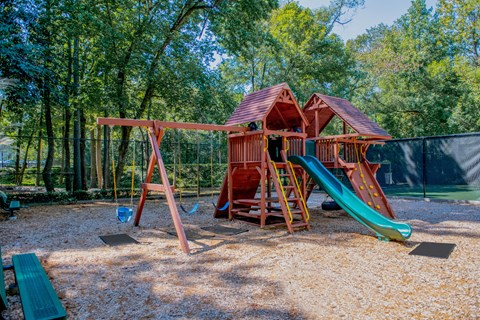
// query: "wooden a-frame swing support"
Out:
[155,130]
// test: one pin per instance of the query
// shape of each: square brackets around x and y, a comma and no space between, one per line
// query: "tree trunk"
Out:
[106,158]
[25,159]
[17,156]
[66,146]
[98,154]
[47,170]
[39,152]
[77,152]
[83,155]
[93,160]
[61,178]
[68,118]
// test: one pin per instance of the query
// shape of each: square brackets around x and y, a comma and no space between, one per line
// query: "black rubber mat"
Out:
[226,231]
[118,239]
[434,250]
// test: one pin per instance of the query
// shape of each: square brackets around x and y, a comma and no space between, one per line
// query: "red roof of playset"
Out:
[276,105]
[330,106]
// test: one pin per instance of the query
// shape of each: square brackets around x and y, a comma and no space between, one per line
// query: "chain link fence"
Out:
[446,167]
[193,161]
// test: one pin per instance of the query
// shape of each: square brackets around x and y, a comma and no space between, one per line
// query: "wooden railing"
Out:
[326,150]
[329,149]
[295,146]
[246,148]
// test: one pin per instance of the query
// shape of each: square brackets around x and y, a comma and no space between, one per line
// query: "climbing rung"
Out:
[300,224]
[297,211]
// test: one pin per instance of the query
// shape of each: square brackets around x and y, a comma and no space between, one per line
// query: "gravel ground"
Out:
[338,270]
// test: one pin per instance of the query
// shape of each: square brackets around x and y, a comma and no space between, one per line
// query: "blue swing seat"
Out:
[193,210]
[124,214]
[225,206]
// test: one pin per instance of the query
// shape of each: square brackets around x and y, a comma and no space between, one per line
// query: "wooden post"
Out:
[168,190]
[230,178]
[263,176]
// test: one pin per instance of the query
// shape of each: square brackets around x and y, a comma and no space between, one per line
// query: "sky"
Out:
[373,12]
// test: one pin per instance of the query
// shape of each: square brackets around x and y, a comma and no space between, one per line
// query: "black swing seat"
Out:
[38,297]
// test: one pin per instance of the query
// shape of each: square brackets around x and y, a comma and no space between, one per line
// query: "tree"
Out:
[405,76]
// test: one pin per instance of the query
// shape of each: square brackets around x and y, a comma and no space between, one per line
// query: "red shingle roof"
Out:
[257,105]
[356,119]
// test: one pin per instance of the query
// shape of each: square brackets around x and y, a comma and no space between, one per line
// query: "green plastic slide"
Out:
[384,228]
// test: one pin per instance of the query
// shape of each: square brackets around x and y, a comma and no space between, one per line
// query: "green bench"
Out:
[9,206]
[39,299]
[3,294]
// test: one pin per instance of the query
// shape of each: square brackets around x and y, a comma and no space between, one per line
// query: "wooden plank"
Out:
[168,191]
[155,187]
[349,135]
[168,124]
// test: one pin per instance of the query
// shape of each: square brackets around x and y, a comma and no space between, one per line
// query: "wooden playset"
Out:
[259,159]
[261,186]
[347,150]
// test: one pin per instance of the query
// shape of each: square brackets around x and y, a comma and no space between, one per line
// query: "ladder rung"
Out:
[292,199]
[296,211]
[301,224]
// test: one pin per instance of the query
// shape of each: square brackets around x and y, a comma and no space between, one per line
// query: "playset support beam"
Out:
[168,124]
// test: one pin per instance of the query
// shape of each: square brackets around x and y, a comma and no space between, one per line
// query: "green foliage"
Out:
[294,45]
[194,61]
[413,79]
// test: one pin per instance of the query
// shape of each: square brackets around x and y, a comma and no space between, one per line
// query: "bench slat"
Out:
[39,299]
[3,293]
[14,205]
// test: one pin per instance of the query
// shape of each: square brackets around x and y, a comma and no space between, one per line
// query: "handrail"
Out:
[299,191]
[283,190]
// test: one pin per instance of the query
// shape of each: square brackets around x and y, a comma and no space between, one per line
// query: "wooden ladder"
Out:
[289,194]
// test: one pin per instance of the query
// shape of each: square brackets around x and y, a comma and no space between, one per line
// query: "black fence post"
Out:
[424,165]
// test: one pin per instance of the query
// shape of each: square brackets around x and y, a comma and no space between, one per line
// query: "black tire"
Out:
[330,206]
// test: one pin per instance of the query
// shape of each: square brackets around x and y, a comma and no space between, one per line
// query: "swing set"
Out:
[155,130]
[178,162]
[124,214]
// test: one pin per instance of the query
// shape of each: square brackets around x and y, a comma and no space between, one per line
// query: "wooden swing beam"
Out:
[168,124]
[155,133]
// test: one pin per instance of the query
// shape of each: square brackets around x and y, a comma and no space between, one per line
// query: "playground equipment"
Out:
[384,228]
[227,204]
[347,151]
[196,206]
[259,158]
[124,214]
[155,129]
